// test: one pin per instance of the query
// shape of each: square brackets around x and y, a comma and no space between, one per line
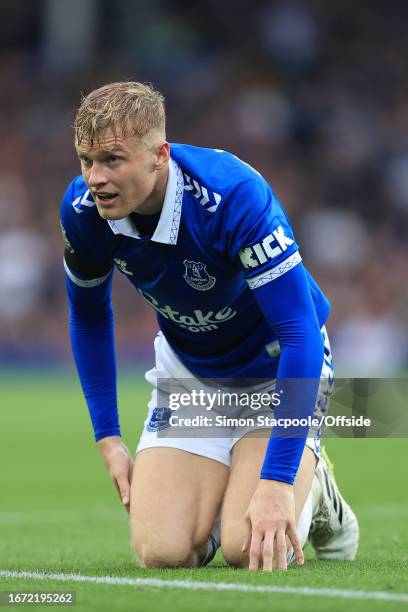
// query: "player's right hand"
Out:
[119,463]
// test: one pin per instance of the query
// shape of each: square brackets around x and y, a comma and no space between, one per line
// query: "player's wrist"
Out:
[266,484]
[109,442]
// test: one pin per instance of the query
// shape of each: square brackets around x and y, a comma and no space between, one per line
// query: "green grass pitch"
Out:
[59,514]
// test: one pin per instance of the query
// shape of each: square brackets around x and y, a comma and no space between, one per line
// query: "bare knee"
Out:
[166,553]
[155,557]
[232,550]
[231,546]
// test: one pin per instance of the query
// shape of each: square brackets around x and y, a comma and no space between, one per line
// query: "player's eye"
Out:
[111,159]
[85,161]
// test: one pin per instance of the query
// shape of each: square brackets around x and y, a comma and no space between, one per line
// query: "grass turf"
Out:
[59,512]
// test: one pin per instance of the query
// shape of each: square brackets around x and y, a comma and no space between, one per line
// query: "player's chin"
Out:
[111,213]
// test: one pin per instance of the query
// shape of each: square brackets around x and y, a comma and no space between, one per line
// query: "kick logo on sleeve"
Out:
[273,245]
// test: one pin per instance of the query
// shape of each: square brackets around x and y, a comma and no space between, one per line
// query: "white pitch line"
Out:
[210,586]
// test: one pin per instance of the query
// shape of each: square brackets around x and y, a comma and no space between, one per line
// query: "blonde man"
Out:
[201,236]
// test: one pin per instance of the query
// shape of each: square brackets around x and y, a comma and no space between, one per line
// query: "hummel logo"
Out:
[200,192]
[81,201]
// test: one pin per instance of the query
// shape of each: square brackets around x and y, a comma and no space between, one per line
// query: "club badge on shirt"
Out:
[197,276]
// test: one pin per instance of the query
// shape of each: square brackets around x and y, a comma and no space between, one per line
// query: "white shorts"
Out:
[156,431]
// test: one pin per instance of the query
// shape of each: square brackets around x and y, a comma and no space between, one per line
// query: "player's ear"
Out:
[162,154]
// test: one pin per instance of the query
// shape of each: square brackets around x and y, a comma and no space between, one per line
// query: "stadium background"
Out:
[310,93]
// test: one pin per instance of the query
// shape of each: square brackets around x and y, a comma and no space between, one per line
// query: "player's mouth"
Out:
[104,198]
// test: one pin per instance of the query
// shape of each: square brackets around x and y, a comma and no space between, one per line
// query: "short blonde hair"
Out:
[128,108]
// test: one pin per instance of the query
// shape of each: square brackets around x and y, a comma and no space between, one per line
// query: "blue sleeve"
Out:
[92,340]
[88,267]
[288,306]
[255,234]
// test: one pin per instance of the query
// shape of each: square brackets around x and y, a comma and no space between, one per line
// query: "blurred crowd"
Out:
[313,94]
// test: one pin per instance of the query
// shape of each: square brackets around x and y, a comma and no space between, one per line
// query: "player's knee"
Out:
[163,554]
[231,546]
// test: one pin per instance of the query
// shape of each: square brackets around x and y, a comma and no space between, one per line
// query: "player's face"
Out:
[125,175]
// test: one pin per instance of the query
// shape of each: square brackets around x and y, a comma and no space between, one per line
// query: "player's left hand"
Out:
[269,519]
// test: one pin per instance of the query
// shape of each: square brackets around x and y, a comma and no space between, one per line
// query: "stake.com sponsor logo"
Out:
[197,321]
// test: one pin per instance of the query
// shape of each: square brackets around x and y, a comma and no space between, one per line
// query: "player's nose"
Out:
[96,177]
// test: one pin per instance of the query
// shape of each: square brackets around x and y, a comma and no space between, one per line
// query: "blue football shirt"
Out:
[221,235]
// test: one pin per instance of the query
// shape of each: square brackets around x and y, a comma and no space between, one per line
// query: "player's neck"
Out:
[155,201]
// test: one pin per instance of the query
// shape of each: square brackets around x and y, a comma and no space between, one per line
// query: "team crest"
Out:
[159,419]
[197,276]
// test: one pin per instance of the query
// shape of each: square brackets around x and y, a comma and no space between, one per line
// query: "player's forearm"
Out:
[298,383]
[295,322]
[92,340]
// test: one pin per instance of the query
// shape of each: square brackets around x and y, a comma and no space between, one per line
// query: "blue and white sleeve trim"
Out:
[93,282]
[276,272]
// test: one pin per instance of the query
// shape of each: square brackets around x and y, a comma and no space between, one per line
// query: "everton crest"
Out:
[159,419]
[197,276]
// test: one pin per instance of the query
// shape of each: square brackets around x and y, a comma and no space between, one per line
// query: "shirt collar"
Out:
[168,226]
